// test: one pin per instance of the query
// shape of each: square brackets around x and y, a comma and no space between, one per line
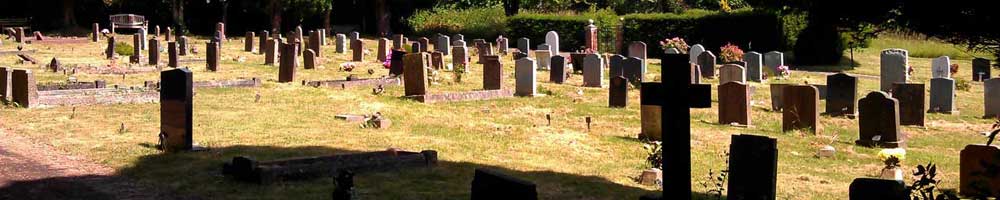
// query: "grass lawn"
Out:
[566,160]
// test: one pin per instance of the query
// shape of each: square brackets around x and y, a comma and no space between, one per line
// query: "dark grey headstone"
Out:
[911,103]
[881,189]
[942,98]
[492,185]
[558,73]
[176,109]
[618,92]
[396,62]
[172,54]
[523,45]
[212,56]
[633,69]
[878,115]
[980,69]
[841,94]
[617,66]
[753,167]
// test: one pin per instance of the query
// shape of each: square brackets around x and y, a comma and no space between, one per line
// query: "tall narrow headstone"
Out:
[942,98]
[460,56]
[110,50]
[358,48]
[503,45]
[176,110]
[271,51]
[288,62]
[437,60]
[23,88]
[980,69]
[593,71]
[309,59]
[221,30]
[136,57]
[248,41]
[878,115]
[637,49]
[262,42]
[19,35]
[443,44]
[552,39]
[753,167]
[485,49]
[525,76]
[734,103]
[732,73]
[6,76]
[425,44]
[523,44]
[154,52]
[212,56]
[415,69]
[773,60]
[991,97]
[169,35]
[355,35]
[618,92]
[396,64]
[841,94]
[706,62]
[397,41]
[96,34]
[383,50]
[911,103]
[341,44]
[799,111]
[314,43]
[172,54]
[457,37]
[558,73]
[492,73]
[941,67]
[616,66]
[893,68]
[754,66]
[182,45]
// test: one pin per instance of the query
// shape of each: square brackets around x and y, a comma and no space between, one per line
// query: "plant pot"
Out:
[893,173]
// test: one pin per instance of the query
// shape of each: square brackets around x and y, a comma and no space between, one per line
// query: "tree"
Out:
[967,22]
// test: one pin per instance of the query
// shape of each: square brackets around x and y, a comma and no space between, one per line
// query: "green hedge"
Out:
[472,23]
[570,26]
[752,31]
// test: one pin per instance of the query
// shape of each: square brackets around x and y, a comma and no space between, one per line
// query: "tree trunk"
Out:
[382,17]
[326,17]
[178,15]
[69,15]
[276,16]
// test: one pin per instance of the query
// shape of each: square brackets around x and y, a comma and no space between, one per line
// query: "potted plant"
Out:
[892,170]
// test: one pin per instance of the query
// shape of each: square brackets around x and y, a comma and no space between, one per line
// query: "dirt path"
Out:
[33,170]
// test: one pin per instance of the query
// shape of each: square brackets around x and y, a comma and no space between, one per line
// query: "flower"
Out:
[348,66]
[783,71]
[899,153]
[954,68]
[388,60]
[731,53]
[675,42]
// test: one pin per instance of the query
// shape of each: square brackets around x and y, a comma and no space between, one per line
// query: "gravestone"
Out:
[544,59]
[672,51]
[882,189]
[941,67]
[154,52]
[618,92]
[753,167]
[637,49]
[314,43]
[220,29]
[460,55]
[212,56]
[841,94]
[991,97]
[176,106]
[878,115]
[576,59]
[352,36]
[341,46]
[694,52]
[651,96]
[355,35]
[425,44]
[706,61]
[415,47]
[443,44]
[942,98]
[773,60]
[172,54]
[271,51]
[893,68]
[5,83]
[695,75]
[309,59]
[754,66]
[95,35]
[110,50]
[503,45]
[288,62]
[415,74]
[552,39]
[492,73]
[799,110]
[734,103]
[248,41]
[437,60]
[732,73]
[23,89]
[457,37]
[358,49]
[616,66]
[168,37]
[182,45]
[492,185]
[485,49]
[525,75]
[262,41]
[519,55]
[523,45]
[383,50]
[558,70]
[777,96]
[396,64]
[633,69]
[977,173]
[980,69]
[136,57]
[593,71]
[701,96]
[911,103]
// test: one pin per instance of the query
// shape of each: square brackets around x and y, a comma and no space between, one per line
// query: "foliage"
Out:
[959,22]
[570,27]
[124,49]
[468,4]
[731,53]
[925,183]
[758,31]
[716,183]
[655,154]
[993,134]
[473,23]
[819,44]
[675,42]
[962,85]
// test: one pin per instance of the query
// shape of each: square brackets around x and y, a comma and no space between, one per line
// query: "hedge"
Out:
[752,31]
[484,23]
[571,28]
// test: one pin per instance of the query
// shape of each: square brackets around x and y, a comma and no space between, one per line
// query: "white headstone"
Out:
[694,52]
[524,73]
[941,67]
[552,38]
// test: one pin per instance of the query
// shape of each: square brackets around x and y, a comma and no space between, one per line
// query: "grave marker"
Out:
[980,69]
[616,66]
[523,45]
[288,62]
[176,105]
[991,97]
[618,92]
[437,60]
[525,75]
[490,185]
[977,172]
[754,66]
[415,78]
[841,93]
[911,103]
[893,68]
[558,69]
[383,49]
[492,73]
[552,39]
[734,103]
[357,47]
[6,76]
[110,50]
[271,51]
[172,54]
[314,43]
[212,56]
[799,110]
[773,60]
[341,46]
[941,67]
[136,57]
[182,47]
[706,61]
[309,59]
[442,45]
[732,73]
[503,45]
[460,56]
[942,96]
[873,188]
[396,64]
[593,71]
[694,52]
[650,100]
[154,52]
[544,59]
[637,49]
[425,44]
[248,41]
[633,69]
[678,143]
[753,166]
[262,41]
[878,115]
[95,35]
[23,88]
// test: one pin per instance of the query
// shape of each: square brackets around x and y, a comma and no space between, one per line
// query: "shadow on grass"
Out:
[845,64]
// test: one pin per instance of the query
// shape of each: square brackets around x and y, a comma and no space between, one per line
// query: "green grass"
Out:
[565,159]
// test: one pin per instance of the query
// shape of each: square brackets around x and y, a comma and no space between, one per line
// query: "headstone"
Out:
[706,62]
[753,167]
[424,44]
[490,185]
[415,47]
[732,73]
[437,60]
[616,66]
[544,59]
[773,60]
[95,35]
[460,55]
[980,69]
[991,97]
[893,68]
[23,88]
[248,41]
[110,51]
[552,39]
[383,49]
[169,36]
[176,106]
[941,67]
[136,57]
[734,103]
[799,110]
[618,92]
[221,29]
[874,188]
[492,73]
[443,44]
[576,59]
[977,172]
[841,94]
[341,43]
[288,62]
[172,54]
[309,59]
[271,51]
[212,56]
[485,49]
[19,35]
[633,69]
[396,65]
[262,41]
[358,48]
[942,98]
[672,51]
[651,96]
[154,52]
[523,45]
[558,69]
[6,76]
[397,41]
[314,43]
[525,75]
[695,51]
[355,35]
[637,49]
[911,103]
[182,47]
[777,96]
[457,37]
[415,77]
[754,66]
[878,115]
[593,71]
[503,45]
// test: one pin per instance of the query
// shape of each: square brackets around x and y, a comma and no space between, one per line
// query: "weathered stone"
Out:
[618,92]
[309,59]
[383,50]
[633,69]
[341,46]
[754,66]
[288,63]
[460,56]
[95,34]
[706,62]
[457,37]
[732,73]
[753,167]
[773,60]
[176,106]
[911,103]
[503,45]
[437,60]
[841,98]
[262,41]
[980,69]
[558,69]
[5,83]
[425,44]
[593,71]
[695,51]
[799,110]
[358,48]
[182,45]
[23,90]
[154,52]
[396,64]
[878,115]
[734,103]
[212,56]
[576,59]
[443,44]
[492,73]
[248,41]
[415,74]
[777,96]
[271,51]
[941,67]
[523,45]
[525,77]
[893,68]
[977,173]
[110,50]
[942,98]
[314,43]
[544,59]
[616,66]
[637,49]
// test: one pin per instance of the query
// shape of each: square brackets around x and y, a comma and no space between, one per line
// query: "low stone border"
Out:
[247,169]
[95,96]
[72,85]
[344,84]
[252,82]
[463,96]
[3,53]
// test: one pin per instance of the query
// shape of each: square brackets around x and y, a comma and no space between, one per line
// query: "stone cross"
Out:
[878,115]
[525,76]
[734,103]
[678,142]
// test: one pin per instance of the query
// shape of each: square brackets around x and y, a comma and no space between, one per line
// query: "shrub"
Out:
[570,27]
[675,42]
[123,49]
[473,23]
[731,53]
[710,29]
[819,45]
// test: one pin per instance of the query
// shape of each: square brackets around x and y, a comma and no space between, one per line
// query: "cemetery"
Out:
[499,99]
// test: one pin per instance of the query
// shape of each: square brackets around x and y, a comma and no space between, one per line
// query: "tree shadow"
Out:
[845,64]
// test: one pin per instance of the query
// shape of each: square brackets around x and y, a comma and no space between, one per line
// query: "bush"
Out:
[485,23]
[570,27]
[731,53]
[819,45]
[757,31]
[123,49]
